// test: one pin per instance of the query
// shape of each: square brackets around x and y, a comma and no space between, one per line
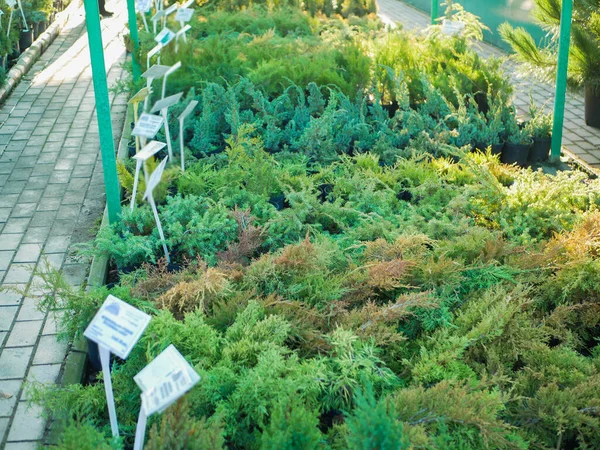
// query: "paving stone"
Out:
[14,362]
[8,200]
[8,298]
[13,187]
[36,235]
[9,391]
[24,333]
[30,309]
[23,210]
[46,374]
[32,445]
[16,225]
[5,259]
[28,424]
[19,273]
[4,427]
[50,351]
[43,218]
[10,241]
[31,196]
[57,244]
[49,204]
[4,214]
[28,253]
[7,316]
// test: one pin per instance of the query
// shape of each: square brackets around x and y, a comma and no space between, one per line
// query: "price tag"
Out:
[165,379]
[147,126]
[164,37]
[117,326]
[166,102]
[184,14]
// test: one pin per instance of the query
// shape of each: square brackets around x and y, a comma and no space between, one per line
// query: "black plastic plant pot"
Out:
[540,149]
[94,355]
[279,202]
[131,148]
[497,148]
[592,106]
[26,39]
[515,154]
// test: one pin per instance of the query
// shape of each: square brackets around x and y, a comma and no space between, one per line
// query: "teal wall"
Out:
[493,13]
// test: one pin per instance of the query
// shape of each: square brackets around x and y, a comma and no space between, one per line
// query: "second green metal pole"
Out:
[107,146]
[561,78]
[135,40]
[434,11]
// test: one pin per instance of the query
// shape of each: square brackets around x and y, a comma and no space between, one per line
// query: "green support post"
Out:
[561,78]
[135,40]
[107,147]
[434,11]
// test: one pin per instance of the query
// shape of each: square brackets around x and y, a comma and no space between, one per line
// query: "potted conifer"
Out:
[584,63]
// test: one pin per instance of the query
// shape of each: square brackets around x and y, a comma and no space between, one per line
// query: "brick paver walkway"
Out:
[51,196]
[581,140]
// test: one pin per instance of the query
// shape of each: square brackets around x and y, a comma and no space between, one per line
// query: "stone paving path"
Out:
[582,141]
[51,196]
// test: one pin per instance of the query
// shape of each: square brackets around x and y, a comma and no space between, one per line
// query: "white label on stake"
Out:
[151,149]
[171,9]
[184,14]
[156,71]
[147,126]
[164,37]
[188,109]
[143,6]
[155,178]
[165,379]
[117,326]
[159,15]
[166,102]
[139,96]
[11,3]
[183,30]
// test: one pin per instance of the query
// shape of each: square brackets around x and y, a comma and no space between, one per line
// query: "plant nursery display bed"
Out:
[351,265]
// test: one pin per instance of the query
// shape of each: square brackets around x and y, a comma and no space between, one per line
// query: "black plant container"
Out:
[592,106]
[540,149]
[496,148]
[26,39]
[94,355]
[279,202]
[515,154]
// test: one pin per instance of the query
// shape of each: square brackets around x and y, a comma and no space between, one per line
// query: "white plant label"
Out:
[147,126]
[151,183]
[166,102]
[162,382]
[11,3]
[155,50]
[149,150]
[186,112]
[143,6]
[170,367]
[171,9]
[139,96]
[181,33]
[117,326]
[164,37]
[172,69]
[184,14]
[156,71]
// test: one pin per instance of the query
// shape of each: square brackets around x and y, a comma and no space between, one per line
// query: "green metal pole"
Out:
[561,78]
[107,147]
[133,33]
[434,11]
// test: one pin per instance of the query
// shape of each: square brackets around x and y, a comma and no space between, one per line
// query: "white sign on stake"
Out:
[147,126]
[172,69]
[163,106]
[186,112]
[25,26]
[143,7]
[162,382]
[151,183]
[156,17]
[156,71]
[179,34]
[184,14]
[153,52]
[164,37]
[116,328]
[151,149]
